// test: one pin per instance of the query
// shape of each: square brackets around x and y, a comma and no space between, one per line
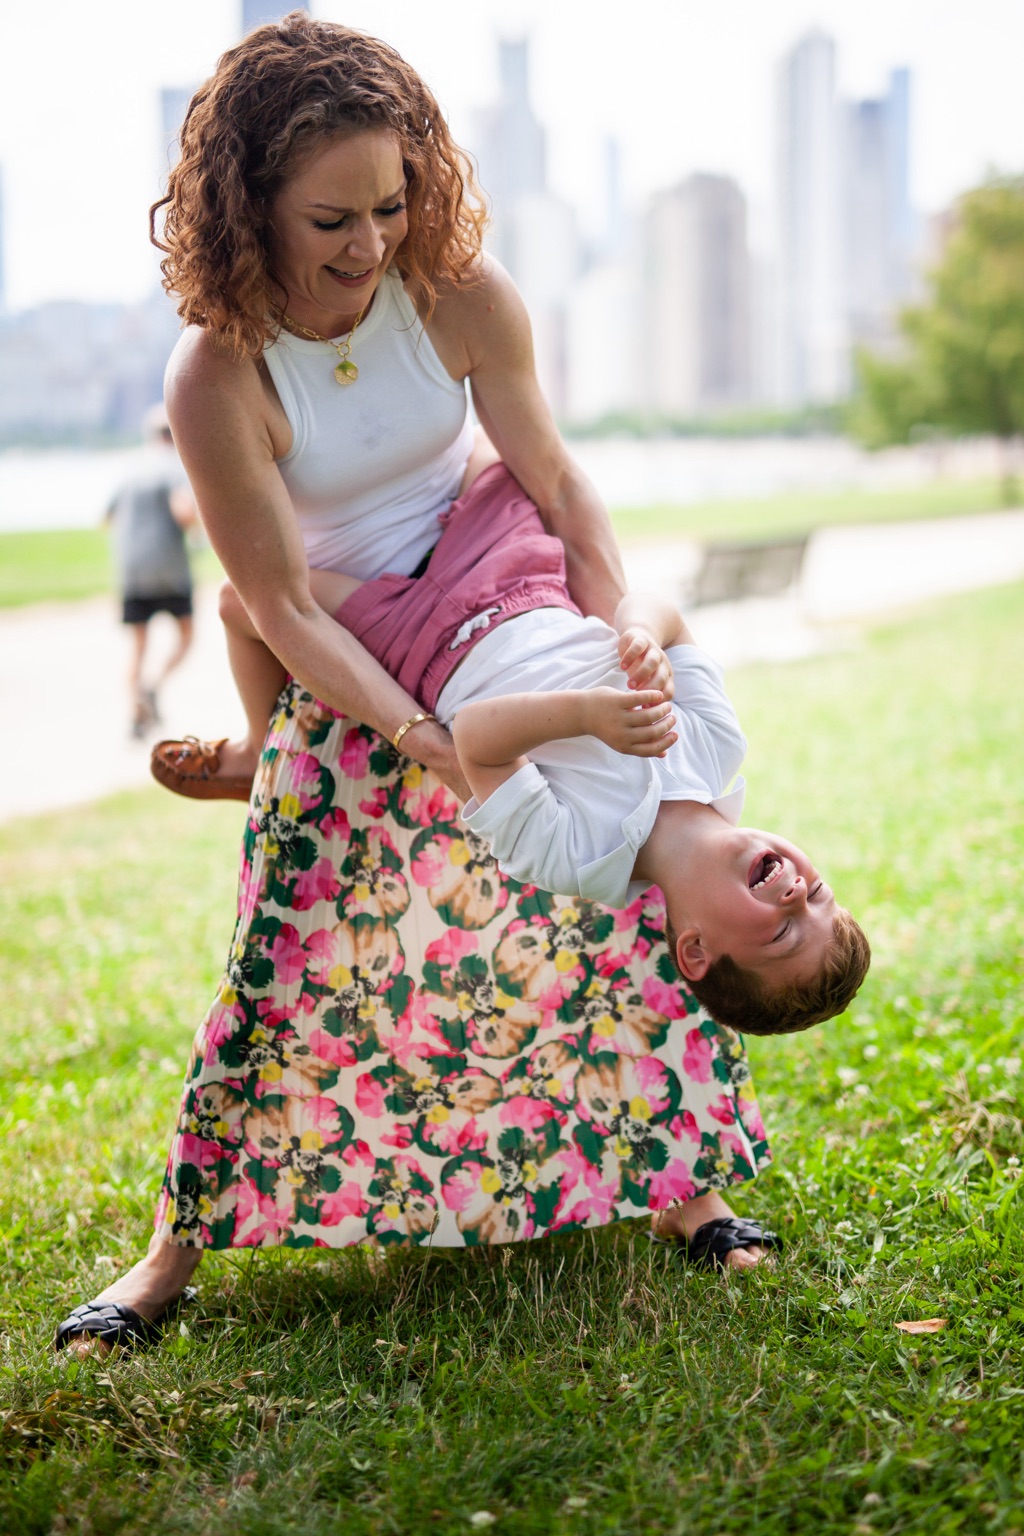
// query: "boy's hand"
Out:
[638,724]
[644,662]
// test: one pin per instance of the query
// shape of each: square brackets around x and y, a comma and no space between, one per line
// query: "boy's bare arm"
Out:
[493,737]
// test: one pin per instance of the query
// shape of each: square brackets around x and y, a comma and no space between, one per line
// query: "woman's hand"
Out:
[637,724]
[430,744]
[644,662]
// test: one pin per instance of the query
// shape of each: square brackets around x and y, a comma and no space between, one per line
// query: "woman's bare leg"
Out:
[683,1221]
[150,1286]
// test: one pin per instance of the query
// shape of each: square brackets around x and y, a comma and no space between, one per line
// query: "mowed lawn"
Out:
[585,1383]
[58,565]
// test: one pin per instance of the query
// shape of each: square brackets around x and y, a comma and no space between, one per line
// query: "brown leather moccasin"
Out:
[189,767]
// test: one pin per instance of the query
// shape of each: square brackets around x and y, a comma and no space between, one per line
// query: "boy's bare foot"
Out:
[205,770]
[683,1221]
[150,1287]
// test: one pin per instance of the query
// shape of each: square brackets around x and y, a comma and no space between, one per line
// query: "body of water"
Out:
[70,488]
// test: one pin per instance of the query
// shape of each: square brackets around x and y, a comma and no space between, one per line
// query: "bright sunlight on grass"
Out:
[584,1383]
[53,566]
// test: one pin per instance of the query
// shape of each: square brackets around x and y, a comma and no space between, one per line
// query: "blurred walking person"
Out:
[149,516]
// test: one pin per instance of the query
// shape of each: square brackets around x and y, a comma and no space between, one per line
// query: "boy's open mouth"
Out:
[763,870]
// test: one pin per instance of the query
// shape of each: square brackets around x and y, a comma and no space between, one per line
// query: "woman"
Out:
[404,1046]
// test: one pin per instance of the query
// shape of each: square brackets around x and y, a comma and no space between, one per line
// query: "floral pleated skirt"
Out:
[407,1047]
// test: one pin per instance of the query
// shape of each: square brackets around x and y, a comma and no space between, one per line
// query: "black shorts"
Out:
[139,610]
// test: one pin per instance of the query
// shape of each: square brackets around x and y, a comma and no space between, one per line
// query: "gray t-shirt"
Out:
[149,546]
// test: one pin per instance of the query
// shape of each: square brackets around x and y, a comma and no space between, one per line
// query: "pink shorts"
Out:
[492,562]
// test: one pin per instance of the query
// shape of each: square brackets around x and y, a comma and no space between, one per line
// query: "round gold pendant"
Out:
[346,372]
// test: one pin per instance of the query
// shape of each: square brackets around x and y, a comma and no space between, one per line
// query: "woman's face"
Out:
[335,225]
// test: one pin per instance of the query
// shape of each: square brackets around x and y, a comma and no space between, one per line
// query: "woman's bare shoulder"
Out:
[483,312]
[202,360]
[485,284]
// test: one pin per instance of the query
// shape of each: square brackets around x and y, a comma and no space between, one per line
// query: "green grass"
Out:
[579,1384]
[59,565]
[54,566]
[775,516]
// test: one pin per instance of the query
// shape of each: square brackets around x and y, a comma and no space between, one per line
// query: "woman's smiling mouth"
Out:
[349,277]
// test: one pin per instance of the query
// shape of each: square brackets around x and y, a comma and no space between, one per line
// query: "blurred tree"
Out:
[962,368]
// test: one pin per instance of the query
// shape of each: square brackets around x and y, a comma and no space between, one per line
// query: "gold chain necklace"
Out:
[345,370]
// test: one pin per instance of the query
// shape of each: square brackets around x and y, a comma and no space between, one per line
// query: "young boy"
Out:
[599,758]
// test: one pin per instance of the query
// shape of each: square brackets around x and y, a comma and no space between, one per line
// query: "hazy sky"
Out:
[683,84]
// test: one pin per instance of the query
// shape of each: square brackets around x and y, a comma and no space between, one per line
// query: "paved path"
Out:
[62,665]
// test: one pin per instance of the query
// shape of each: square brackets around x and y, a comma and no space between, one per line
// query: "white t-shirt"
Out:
[574,818]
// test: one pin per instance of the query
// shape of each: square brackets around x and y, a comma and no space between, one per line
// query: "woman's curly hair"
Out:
[282,90]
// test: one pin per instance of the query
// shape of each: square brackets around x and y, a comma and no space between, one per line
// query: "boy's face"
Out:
[759,899]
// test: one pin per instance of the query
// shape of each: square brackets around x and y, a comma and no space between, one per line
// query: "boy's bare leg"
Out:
[138,637]
[182,646]
[259,676]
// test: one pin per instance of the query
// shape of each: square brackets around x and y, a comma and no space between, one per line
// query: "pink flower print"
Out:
[432,860]
[354,757]
[750,1117]
[552,998]
[320,883]
[321,949]
[697,1057]
[664,999]
[288,955]
[258,1219]
[272,1013]
[447,951]
[376,807]
[527,1113]
[461,1189]
[650,1074]
[629,917]
[369,1096]
[305,770]
[425,1035]
[335,823]
[672,1183]
[198,1151]
[723,1110]
[684,1125]
[731,1143]
[347,1201]
[585,1197]
[329,1048]
[358,1155]
[223,1024]
[321,1112]
[401,1136]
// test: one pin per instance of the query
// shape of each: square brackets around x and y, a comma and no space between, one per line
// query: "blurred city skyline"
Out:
[680,91]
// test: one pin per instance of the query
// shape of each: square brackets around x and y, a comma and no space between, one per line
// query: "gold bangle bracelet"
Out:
[416,720]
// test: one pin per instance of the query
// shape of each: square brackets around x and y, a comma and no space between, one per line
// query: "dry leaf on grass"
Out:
[923,1325]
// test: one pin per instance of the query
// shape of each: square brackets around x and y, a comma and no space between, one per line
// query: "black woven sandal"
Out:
[115,1322]
[709,1245]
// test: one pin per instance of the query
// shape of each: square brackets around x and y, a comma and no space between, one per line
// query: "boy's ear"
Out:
[691,956]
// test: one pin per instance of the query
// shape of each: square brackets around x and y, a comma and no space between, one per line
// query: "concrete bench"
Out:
[749,568]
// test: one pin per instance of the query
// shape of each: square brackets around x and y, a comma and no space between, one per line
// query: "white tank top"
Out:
[373,463]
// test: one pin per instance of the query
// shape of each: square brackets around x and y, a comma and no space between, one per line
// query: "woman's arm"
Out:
[482,332]
[224,430]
